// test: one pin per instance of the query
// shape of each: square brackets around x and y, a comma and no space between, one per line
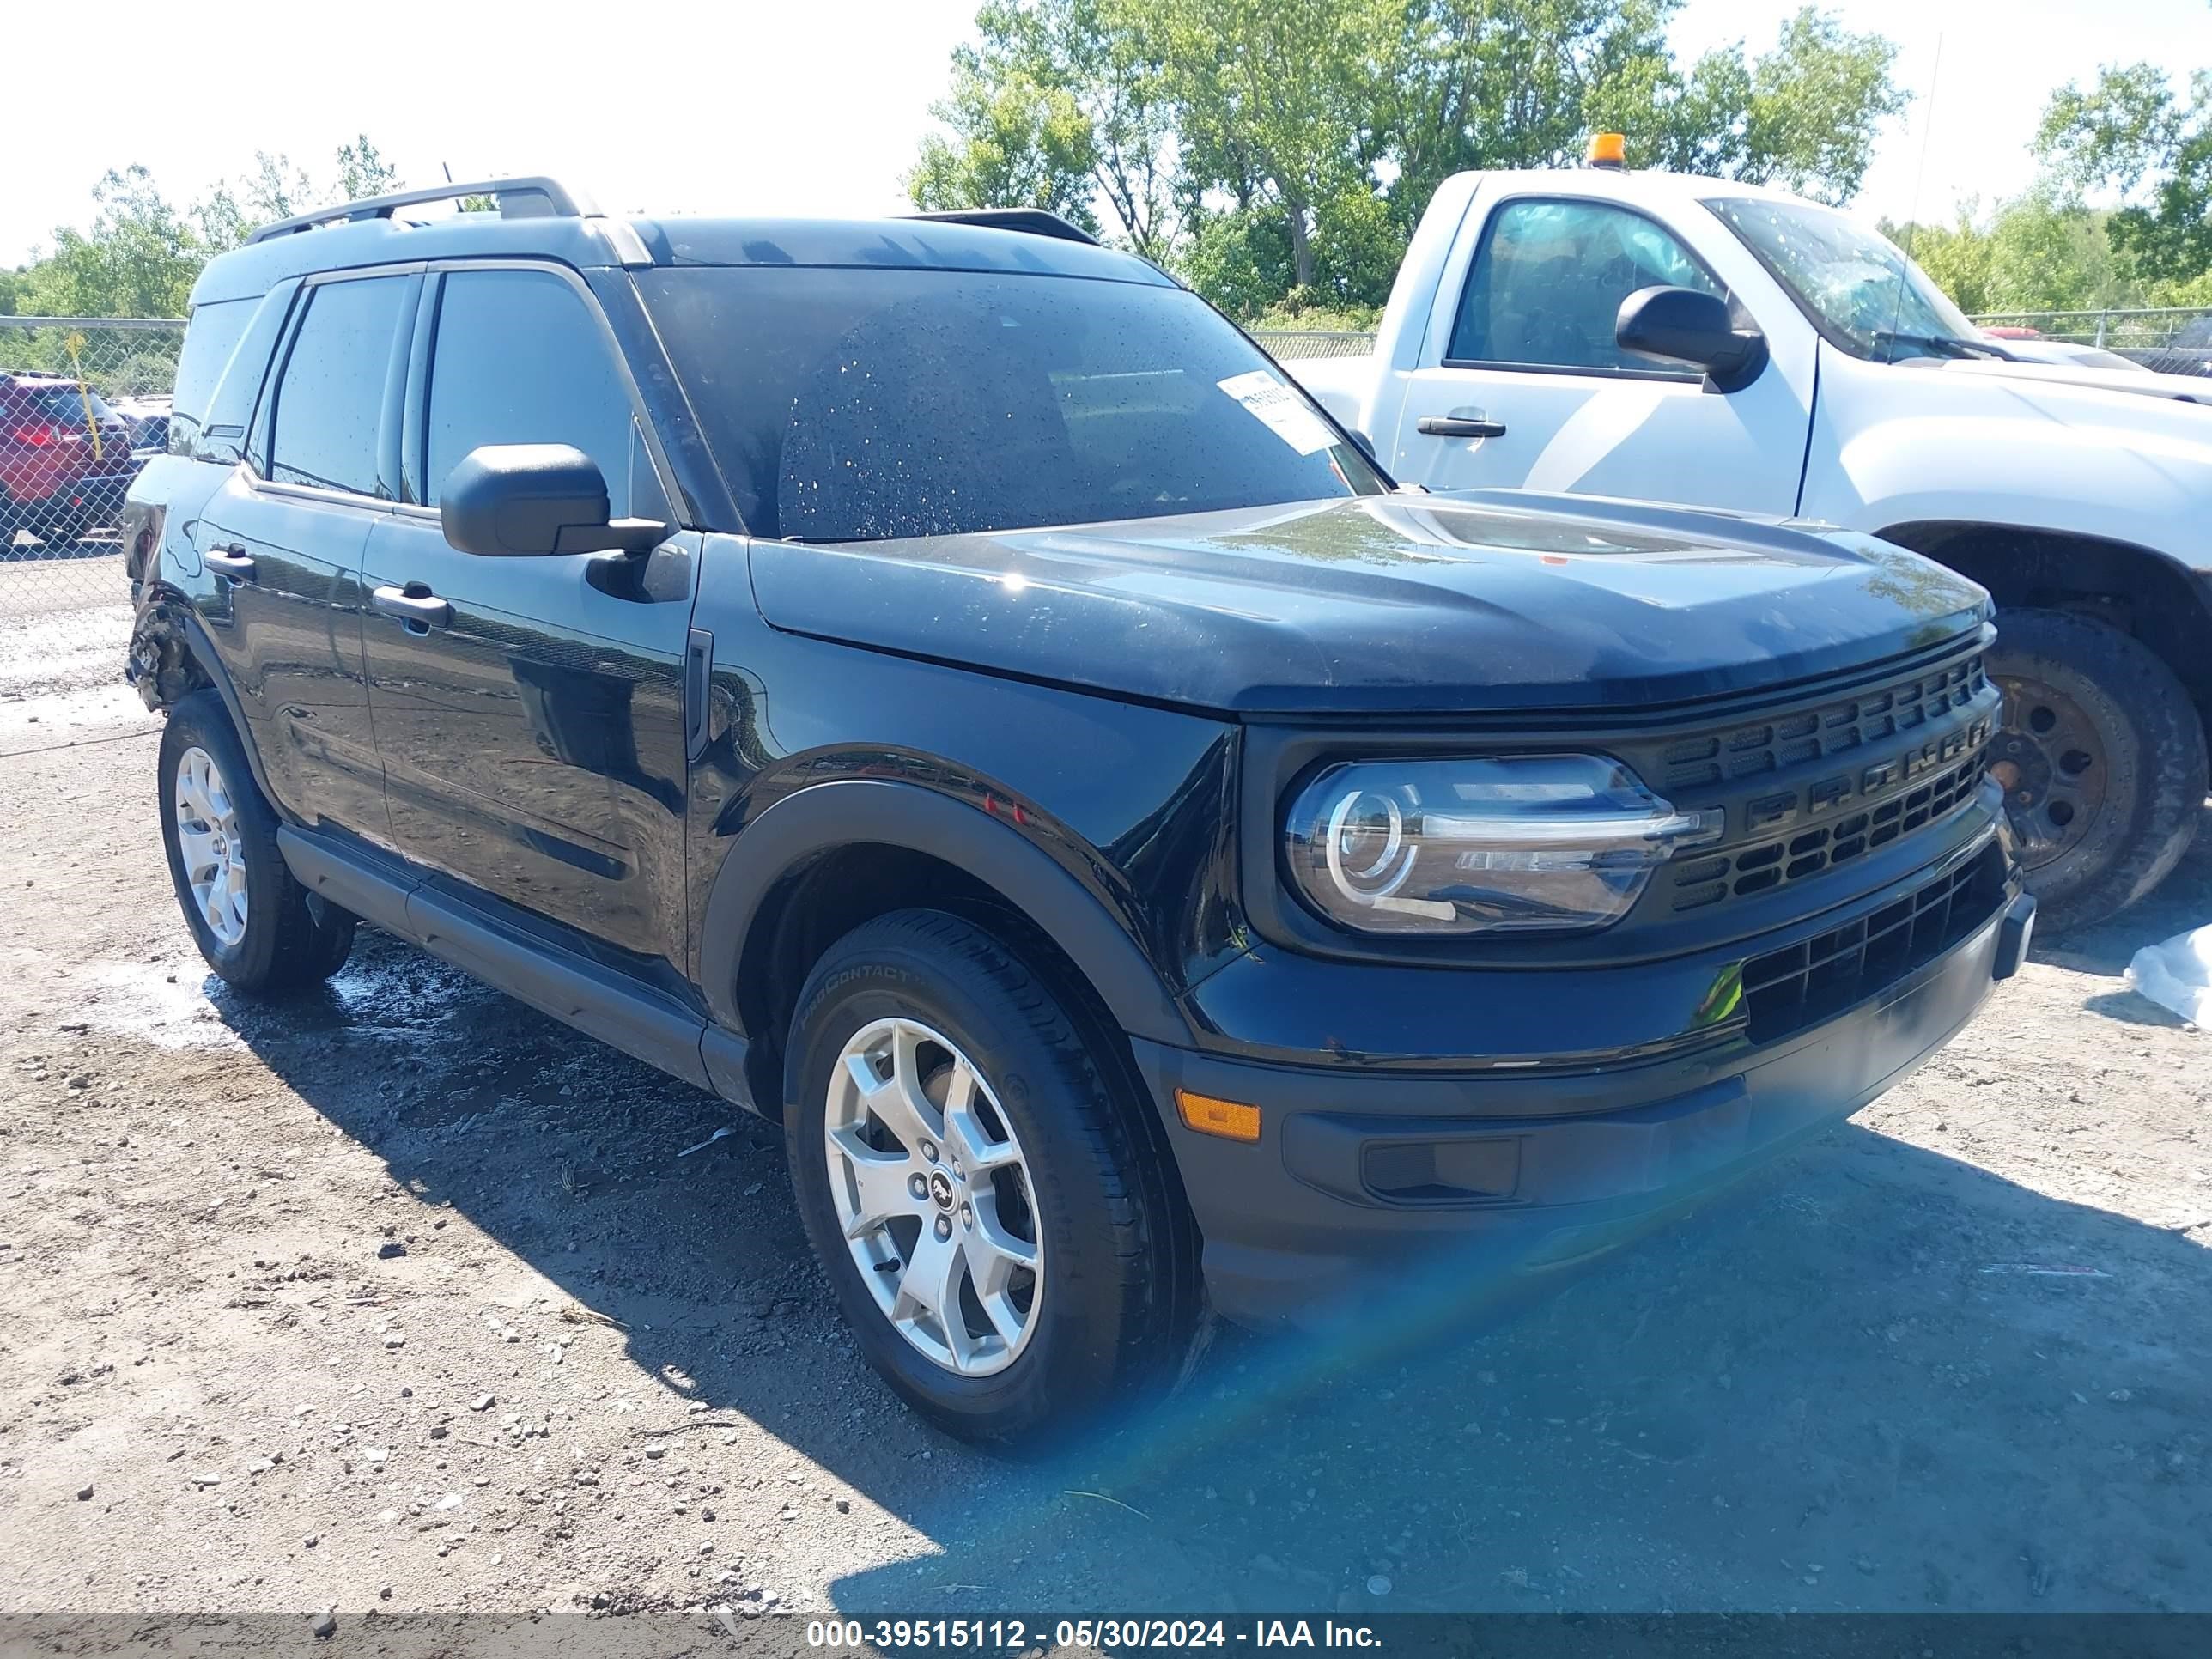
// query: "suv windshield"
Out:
[1859,290]
[849,404]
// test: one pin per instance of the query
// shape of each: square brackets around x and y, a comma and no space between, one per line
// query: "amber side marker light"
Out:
[1229,1119]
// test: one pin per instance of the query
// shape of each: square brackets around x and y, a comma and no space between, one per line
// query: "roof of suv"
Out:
[368,234]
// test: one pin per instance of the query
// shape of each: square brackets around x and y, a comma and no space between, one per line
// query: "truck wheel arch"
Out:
[772,857]
[2138,589]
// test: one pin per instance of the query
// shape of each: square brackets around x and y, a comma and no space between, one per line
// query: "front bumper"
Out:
[1361,1170]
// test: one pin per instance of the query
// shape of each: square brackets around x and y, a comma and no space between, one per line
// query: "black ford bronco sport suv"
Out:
[934,682]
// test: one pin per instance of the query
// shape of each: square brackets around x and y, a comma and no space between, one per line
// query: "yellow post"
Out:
[75,344]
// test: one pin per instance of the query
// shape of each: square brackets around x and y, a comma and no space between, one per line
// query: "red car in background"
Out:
[64,459]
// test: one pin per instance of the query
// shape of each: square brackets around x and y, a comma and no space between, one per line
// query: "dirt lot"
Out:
[599,1372]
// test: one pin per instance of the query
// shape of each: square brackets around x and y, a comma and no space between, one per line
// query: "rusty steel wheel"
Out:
[2051,760]
[2102,757]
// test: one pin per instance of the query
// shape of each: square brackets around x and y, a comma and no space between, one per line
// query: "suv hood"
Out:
[1480,599]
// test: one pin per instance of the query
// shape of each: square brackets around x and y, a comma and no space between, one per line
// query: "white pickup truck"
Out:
[1684,339]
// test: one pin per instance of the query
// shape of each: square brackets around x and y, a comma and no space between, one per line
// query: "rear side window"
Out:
[330,395]
[521,359]
[1548,282]
[210,338]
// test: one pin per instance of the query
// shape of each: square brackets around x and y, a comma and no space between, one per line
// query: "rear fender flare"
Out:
[169,616]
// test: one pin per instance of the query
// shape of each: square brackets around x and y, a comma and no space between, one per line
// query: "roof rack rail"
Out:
[529,198]
[1033,221]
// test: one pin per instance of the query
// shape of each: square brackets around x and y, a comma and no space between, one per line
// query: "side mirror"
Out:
[508,500]
[1680,324]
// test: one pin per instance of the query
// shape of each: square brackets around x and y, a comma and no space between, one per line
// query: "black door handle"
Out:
[230,561]
[424,610]
[698,687]
[1457,426]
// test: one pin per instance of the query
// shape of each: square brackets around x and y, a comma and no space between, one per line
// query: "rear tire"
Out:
[1111,1307]
[2102,756]
[262,932]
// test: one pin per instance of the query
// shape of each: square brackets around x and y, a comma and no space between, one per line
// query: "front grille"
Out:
[1812,734]
[1815,786]
[1786,990]
[1770,864]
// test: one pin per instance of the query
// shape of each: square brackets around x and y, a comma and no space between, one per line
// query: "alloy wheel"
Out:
[933,1196]
[209,845]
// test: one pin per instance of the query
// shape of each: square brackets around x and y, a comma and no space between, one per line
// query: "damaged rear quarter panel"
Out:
[165,502]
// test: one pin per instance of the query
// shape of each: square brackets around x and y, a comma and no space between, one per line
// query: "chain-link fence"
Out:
[1285,343]
[83,401]
[2169,339]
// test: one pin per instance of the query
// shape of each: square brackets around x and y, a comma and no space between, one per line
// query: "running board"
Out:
[572,988]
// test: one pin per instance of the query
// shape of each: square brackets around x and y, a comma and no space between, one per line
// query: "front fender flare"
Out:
[852,811]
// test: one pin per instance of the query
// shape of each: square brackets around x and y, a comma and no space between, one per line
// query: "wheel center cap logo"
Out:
[940,1189]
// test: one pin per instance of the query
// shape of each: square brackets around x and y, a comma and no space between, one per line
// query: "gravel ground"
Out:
[411,1298]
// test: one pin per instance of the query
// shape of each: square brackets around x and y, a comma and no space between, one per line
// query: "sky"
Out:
[746,106]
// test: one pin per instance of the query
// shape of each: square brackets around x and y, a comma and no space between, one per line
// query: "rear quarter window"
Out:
[211,337]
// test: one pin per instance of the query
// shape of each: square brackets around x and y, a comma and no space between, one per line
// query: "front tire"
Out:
[978,1197]
[261,932]
[2102,758]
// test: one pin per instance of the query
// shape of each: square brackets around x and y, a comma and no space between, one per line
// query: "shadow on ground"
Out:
[1850,1384]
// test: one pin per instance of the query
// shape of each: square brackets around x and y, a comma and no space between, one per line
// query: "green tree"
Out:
[1090,51]
[1801,116]
[1281,151]
[364,171]
[2039,252]
[1264,95]
[137,259]
[2132,133]
[1015,143]
[142,253]
[1240,259]
[1509,83]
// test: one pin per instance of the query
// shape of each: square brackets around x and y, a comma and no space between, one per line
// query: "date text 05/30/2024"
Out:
[1022,1635]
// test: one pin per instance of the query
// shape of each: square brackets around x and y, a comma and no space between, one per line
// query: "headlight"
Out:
[1554,843]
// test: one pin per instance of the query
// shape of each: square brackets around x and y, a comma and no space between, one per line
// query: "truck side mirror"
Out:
[509,499]
[1681,325]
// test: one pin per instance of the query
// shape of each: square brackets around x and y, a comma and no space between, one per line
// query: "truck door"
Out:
[1521,383]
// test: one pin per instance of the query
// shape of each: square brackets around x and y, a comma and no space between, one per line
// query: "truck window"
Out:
[520,359]
[1548,279]
[330,395]
[1852,284]
[864,404]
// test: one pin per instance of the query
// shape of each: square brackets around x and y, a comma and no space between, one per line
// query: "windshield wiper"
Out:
[1942,345]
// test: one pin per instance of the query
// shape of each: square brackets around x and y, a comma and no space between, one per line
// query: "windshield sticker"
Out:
[1278,408]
